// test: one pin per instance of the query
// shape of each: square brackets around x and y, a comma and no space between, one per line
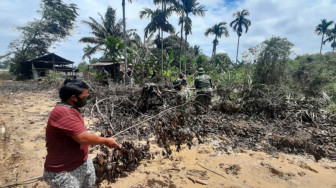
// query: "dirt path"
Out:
[23,118]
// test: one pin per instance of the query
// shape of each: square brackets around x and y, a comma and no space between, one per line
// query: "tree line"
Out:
[164,57]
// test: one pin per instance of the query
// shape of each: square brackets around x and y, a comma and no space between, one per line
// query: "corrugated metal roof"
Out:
[102,64]
[49,59]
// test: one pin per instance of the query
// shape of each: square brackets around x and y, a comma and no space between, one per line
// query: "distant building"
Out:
[112,68]
[43,65]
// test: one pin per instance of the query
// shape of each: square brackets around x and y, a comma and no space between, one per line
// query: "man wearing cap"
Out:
[203,85]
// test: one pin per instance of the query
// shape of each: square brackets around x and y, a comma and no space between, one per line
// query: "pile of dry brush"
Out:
[260,118]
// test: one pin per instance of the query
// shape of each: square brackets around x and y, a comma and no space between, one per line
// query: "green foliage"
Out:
[330,89]
[218,30]
[220,61]
[201,60]
[159,20]
[83,67]
[331,108]
[114,48]
[169,72]
[109,26]
[197,50]
[53,77]
[271,59]
[231,76]
[97,75]
[172,43]
[322,29]
[239,23]
[93,61]
[314,74]
[56,23]
[331,37]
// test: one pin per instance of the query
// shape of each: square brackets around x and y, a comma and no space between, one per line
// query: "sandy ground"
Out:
[23,118]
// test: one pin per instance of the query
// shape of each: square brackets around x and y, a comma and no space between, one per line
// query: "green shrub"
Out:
[331,108]
[331,91]
[53,77]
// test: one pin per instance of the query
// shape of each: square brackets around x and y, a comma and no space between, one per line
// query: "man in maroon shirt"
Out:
[67,163]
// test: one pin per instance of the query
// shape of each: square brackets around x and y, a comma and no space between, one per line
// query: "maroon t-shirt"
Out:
[64,153]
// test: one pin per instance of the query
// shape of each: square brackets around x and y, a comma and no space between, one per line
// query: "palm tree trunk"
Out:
[321,44]
[161,55]
[125,51]
[214,47]
[185,49]
[144,40]
[181,40]
[334,45]
[163,9]
[185,54]
[237,50]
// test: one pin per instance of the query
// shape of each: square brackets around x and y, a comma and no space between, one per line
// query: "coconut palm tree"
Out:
[197,50]
[190,6]
[88,51]
[238,23]
[178,8]
[331,34]
[322,28]
[164,4]
[109,26]
[158,22]
[218,30]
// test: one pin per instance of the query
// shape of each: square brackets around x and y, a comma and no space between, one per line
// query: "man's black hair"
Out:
[72,87]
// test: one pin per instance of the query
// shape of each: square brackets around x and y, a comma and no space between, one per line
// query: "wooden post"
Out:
[53,61]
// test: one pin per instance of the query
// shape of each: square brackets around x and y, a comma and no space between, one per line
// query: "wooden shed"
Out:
[41,66]
[113,69]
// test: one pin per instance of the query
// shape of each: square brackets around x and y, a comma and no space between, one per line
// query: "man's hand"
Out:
[111,143]
[92,139]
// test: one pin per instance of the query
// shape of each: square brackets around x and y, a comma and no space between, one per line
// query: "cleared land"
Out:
[24,112]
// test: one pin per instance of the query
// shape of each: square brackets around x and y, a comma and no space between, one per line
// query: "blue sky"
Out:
[294,20]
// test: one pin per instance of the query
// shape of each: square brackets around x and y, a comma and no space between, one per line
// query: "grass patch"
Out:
[7,76]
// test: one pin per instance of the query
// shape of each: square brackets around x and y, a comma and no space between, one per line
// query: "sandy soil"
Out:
[23,118]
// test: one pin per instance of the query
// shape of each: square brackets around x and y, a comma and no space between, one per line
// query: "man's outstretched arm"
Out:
[92,139]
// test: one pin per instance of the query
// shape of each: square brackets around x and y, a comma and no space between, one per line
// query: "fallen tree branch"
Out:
[146,120]
[211,171]
[195,180]
[244,185]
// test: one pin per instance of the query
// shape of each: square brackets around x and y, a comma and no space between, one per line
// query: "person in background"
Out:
[182,99]
[129,75]
[105,77]
[183,78]
[150,92]
[67,163]
[203,85]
